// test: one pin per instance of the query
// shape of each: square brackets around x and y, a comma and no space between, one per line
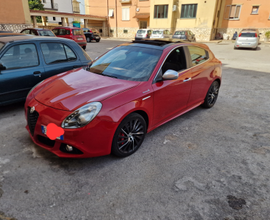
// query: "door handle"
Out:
[37,73]
[187,79]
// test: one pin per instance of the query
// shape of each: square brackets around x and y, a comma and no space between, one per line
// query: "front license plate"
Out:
[80,38]
[44,131]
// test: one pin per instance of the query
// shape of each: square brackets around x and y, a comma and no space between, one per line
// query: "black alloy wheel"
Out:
[129,135]
[212,95]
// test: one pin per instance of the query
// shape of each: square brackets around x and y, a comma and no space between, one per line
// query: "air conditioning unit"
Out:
[125,1]
[55,6]
[174,8]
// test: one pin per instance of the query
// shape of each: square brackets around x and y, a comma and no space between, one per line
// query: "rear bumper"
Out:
[246,44]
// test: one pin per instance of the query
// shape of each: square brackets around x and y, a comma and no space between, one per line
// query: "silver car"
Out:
[247,39]
[161,34]
[143,34]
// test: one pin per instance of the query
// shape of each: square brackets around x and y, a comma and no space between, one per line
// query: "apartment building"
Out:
[238,14]
[125,17]
[14,15]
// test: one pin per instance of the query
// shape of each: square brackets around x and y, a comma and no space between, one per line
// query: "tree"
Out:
[36,5]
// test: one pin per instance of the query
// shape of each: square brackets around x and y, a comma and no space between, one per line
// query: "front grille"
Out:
[32,120]
[46,141]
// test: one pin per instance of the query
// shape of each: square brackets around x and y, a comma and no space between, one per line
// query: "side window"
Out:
[56,53]
[20,56]
[175,61]
[198,55]
[64,32]
[26,32]
[56,31]
[32,32]
[70,54]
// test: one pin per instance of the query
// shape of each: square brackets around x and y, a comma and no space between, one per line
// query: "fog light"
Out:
[69,148]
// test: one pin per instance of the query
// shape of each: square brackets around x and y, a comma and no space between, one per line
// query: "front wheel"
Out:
[88,39]
[84,47]
[129,135]
[212,95]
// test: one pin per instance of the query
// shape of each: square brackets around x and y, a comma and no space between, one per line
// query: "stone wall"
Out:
[231,31]
[130,32]
[201,34]
[14,27]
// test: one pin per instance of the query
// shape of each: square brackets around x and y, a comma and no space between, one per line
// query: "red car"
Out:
[124,94]
[72,33]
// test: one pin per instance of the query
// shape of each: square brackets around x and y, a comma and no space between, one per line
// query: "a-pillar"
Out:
[85,23]
[34,19]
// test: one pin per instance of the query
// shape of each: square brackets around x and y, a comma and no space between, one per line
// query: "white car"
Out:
[143,34]
[247,39]
[161,34]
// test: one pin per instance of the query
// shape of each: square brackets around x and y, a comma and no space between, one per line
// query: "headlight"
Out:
[34,87]
[82,116]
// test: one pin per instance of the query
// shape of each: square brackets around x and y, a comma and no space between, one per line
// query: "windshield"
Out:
[141,31]
[77,32]
[157,32]
[1,45]
[128,63]
[46,33]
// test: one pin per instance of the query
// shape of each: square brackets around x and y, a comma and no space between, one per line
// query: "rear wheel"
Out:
[212,95]
[129,135]
[88,39]
[84,47]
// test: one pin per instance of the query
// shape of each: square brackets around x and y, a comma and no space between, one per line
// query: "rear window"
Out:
[141,32]
[1,45]
[77,32]
[157,32]
[180,33]
[45,33]
[248,35]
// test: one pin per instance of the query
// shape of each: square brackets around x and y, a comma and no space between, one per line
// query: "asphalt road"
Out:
[205,165]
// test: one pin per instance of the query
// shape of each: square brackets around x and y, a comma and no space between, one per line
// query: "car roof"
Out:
[245,31]
[30,38]
[67,28]
[162,43]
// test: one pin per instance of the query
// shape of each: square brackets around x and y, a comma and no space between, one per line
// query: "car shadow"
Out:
[11,108]
[257,49]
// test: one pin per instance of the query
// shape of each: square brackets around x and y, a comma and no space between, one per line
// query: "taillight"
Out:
[240,35]
[256,35]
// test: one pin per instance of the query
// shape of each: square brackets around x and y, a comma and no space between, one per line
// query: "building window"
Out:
[110,12]
[44,1]
[161,11]
[189,10]
[143,24]
[232,12]
[255,10]
[76,6]
[125,14]
[125,31]
[54,18]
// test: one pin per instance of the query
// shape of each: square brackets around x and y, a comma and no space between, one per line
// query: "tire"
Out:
[84,47]
[88,39]
[97,40]
[129,135]
[212,95]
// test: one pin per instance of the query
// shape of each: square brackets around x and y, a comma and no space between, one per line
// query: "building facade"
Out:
[14,15]
[125,17]
[197,16]
[238,14]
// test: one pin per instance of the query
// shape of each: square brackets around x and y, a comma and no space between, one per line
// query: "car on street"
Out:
[124,94]
[143,34]
[72,33]
[161,34]
[184,35]
[91,34]
[38,32]
[27,60]
[247,39]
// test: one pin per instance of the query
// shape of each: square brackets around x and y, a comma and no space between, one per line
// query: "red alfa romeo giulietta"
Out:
[124,94]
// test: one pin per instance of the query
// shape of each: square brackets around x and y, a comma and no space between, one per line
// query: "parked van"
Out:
[143,34]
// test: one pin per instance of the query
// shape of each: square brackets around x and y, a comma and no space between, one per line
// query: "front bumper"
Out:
[93,140]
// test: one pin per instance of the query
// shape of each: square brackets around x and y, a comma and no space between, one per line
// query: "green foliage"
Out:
[267,34]
[35,5]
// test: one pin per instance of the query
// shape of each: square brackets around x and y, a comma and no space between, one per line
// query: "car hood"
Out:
[77,88]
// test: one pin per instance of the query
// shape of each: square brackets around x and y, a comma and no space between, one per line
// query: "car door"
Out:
[21,70]
[58,58]
[171,96]
[200,70]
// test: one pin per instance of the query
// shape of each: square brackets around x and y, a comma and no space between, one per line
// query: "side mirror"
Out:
[2,67]
[170,75]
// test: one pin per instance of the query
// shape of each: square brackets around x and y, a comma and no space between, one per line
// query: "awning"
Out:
[142,15]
